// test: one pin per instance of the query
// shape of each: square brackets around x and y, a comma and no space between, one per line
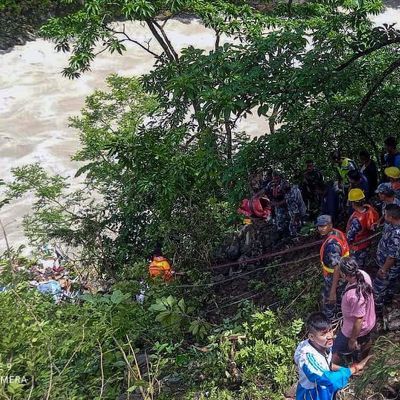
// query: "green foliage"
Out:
[252,360]
[175,315]
[170,312]
[148,186]
[383,368]
[268,350]
[102,339]
[59,347]
[23,7]
[162,160]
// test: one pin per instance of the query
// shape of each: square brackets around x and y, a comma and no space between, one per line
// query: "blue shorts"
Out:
[341,343]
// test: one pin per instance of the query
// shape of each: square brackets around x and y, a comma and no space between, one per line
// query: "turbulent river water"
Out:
[36,102]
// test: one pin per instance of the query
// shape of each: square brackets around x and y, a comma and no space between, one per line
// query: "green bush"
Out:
[61,346]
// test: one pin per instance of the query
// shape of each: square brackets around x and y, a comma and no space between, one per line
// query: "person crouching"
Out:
[319,378]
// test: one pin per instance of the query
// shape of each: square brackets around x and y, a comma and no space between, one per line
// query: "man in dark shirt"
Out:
[311,178]
[370,171]
[329,201]
[392,157]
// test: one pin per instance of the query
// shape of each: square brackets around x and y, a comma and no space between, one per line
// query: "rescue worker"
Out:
[370,171]
[312,177]
[329,203]
[392,157]
[296,208]
[388,258]
[393,174]
[360,225]
[343,166]
[160,266]
[275,193]
[386,196]
[333,248]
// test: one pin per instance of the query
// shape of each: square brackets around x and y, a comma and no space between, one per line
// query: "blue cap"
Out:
[386,189]
[323,220]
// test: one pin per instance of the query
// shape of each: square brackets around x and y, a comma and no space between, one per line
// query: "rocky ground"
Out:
[20,23]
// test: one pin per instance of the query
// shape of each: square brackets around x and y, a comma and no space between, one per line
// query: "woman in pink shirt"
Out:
[358,309]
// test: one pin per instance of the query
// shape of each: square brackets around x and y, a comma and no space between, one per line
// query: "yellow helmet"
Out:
[356,195]
[392,172]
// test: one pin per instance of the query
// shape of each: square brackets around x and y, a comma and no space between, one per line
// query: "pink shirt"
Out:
[353,308]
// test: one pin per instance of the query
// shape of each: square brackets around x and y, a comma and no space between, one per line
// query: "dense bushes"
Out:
[58,347]
[100,340]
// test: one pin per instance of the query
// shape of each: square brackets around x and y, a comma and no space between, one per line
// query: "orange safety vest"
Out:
[161,267]
[366,219]
[340,237]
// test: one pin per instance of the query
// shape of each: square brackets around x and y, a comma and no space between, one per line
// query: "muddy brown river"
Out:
[36,102]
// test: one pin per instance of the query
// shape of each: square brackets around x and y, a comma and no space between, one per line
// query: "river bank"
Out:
[37,101]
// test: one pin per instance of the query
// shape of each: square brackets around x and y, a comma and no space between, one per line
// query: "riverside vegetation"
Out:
[162,159]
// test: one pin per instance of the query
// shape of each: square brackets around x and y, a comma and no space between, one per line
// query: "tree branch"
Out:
[228,130]
[272,118]
[392,67]
[366,52]
[166,39]
[160,40]
[217,39]
[289,7]
[128,38]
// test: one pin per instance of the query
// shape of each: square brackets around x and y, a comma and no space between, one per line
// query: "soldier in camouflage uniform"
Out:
[296,208]
[333,248]
[360,225]
[276,194]
[388,257]
[387,196]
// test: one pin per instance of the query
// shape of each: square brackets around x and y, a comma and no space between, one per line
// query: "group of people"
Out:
[321,357]
[347,287]
[291,204]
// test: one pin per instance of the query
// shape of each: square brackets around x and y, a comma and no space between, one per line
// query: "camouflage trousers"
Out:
[331,309]
[360,256]
[295,223]
[385,288]
[281,218]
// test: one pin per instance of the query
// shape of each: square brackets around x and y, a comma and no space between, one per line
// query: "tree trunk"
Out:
[228,129]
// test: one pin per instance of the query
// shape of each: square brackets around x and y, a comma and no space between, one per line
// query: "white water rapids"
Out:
[36,102]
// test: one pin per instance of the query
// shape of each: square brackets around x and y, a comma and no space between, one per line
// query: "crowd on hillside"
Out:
[363,203]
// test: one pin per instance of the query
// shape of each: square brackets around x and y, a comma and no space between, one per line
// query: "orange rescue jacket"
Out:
[366,219]
[161,267]
[340,237]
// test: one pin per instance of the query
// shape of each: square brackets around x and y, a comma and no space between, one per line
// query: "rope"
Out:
[268,255]
[265,256]
[248,273]
[255,293]
[244,299]
[286,251]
